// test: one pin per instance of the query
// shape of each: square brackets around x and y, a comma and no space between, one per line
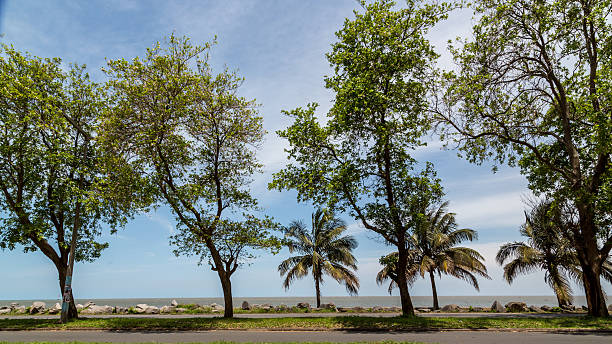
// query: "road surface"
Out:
[470,337]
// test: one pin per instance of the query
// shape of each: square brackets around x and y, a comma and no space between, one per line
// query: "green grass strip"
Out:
[329,323]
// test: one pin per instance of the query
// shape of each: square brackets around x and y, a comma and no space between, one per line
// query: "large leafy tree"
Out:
[360,160]
[549,248]
[186,133]
[533,89]
[52,180]
[434,250]
[323,250]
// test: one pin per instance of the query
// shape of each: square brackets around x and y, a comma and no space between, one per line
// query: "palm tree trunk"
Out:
[318,290]
[433,290]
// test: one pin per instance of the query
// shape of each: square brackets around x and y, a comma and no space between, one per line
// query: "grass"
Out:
[383,342]
[310,323]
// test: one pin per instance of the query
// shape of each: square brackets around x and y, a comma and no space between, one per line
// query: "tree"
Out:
[323,250]
[533,90]
[549,248]
[51,178]
[434,249]
[360,160]
[186,134]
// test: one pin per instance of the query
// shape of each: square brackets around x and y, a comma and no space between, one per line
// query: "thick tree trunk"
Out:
[318,291]
[402,283]
[590,262]
[226,284]
[72,310]
[433,291]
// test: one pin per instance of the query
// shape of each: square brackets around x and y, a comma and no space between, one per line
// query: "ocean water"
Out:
[340,301]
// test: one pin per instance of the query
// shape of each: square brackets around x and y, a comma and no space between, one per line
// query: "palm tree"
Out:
[548,248]
[433,250]
[322,250]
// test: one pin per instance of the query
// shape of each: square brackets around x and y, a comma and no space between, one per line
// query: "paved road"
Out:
[471,337]
[299,315]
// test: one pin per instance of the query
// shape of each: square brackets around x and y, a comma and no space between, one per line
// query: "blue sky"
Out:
[279,48]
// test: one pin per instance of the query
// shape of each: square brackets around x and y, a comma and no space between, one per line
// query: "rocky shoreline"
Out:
[174,307]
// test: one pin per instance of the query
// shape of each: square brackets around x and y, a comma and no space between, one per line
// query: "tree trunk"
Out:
[433,291]
[402,283]
[318,291]
[72,310]
[590,262]
[226,284]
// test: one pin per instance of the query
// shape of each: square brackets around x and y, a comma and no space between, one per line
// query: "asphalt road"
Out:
[300,315]
[471,337]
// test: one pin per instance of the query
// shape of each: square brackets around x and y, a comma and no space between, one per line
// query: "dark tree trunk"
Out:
[590,262]
[433,290]
[318,291]
[402,283]
[226,284]
[72,310]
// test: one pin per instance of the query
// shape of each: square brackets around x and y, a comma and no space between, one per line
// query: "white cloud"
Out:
[491,211]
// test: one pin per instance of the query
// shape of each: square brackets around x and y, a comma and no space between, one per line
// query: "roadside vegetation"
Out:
[314,323]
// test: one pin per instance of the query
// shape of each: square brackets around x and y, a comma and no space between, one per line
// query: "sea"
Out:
[339,301]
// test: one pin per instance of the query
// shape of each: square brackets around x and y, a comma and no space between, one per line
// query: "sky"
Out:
[279,48]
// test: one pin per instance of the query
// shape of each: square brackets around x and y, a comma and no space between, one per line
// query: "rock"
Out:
[282,307]
[343,309]
[37,307]
[79,307]
[609,307]
[535,309]
[6,310]
[546,308]
[151,310]
[568,307]
[497,307]
[423,310]
[266,307]
[173,303]
[88,304]
[303,305]
[167,309]
[20,310]
[98,310]
[14,305]
[330,306]
[121,310]
[395,309]
[450,308]
[477,309]
[181,310]
[55,309]
[516,307]
[377,309]
[359,309]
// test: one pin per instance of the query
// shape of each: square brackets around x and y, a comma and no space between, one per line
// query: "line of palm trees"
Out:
[433,250]
[324,250]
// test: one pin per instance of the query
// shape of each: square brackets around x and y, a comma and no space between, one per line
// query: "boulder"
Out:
[610,307]
[14,305]
[477,309]
[395,309]
[303,305]
[88,304]
[282,307]
[140,308]
[330,306]
[55,309]
[5,310]
[151,310]
[377,309]
[180,310]
[535,309]
[422,310]
[79,307]
[450,308]
[516,307]
[167,309]
[20,310]
[98,310]
[359,309]
[266,307]
[173,303]
[121,310]
[37,307]
[568,307]
[497,307]
[343,309]
[546,308]
[216,308]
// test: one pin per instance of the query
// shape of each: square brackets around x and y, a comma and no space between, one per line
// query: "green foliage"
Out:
[48,116]
[183,131]
[323,250]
